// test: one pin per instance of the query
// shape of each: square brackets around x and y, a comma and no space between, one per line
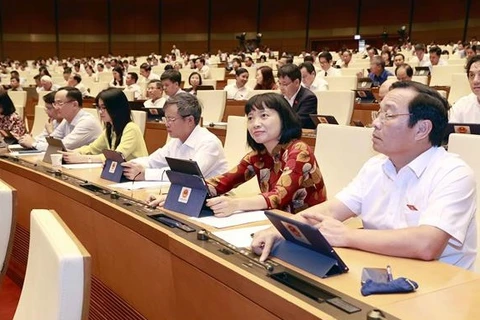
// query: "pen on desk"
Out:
[389,274]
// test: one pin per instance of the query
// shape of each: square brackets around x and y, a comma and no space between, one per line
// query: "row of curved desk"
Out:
[144,270]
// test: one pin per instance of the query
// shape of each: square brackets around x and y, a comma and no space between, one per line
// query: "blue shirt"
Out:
[378,80]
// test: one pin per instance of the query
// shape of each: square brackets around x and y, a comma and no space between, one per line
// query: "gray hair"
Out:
[187,105]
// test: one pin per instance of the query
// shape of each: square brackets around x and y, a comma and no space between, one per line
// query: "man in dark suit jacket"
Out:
[302,100]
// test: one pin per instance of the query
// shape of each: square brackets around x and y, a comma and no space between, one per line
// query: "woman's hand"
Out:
[73,157]
[223,206]
[263,242]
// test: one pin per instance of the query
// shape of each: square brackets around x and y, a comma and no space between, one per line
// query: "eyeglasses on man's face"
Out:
[61,103]
[173,119]
[384,116]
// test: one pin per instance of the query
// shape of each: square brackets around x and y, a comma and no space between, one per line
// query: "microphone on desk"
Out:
[133,181]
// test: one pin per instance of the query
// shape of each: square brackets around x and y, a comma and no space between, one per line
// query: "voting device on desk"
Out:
[188,189]
[112,170]
[305,247]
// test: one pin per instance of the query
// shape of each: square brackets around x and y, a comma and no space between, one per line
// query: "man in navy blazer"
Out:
[302,100]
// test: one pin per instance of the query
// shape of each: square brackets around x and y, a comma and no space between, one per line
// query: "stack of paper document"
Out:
[82,166]
[233,220]
[240,238]
[135,185]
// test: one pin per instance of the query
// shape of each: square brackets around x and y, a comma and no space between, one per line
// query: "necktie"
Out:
[326,73]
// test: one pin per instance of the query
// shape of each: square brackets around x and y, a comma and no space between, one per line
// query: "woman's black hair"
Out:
[291,124]
[7,104]
[120,72]
[116,104]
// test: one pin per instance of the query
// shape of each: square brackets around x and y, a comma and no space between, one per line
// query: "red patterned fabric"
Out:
[289,179]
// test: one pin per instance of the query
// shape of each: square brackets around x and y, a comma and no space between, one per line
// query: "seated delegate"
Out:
[188,140]
[285,167]
[415,200]
[120,134]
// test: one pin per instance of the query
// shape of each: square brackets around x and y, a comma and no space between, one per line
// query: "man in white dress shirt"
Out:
[147,74]
[75,80]
[415,199]
[188,141]
[78,127]
[131,82]
[202,68]
[155,95]
[171,80]
[38,142]
[325,59]
[47,84]
[238,90]
[467,108]
[309,78]
[435,54]
[176,52]
[420,57]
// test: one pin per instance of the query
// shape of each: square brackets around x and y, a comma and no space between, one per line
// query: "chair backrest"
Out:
[213,102]
[41,94]
[421,79]
[39,120]
[341,151]
[8,199]
[351,71]
[140,118]
[57,281]
[442,75]
[467,146]
[20,111]
[252,93]
[210,82]
[342,83]
[105,77]
[93,112]
[336,103]
[129,94]
[217,74]
[19,98]
[235,145]
[236,148]
[96,87]
[186,74]
[460,87]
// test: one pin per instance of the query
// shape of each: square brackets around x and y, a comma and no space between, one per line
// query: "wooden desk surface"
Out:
[455,302]
[114,235]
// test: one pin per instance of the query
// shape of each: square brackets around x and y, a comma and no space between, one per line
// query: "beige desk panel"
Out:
[110,233]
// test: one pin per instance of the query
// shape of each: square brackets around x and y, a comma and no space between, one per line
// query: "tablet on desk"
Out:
[320,118]
[305,247]
[54,146]
[466,128]
[205,87]
[186,166]
[422,71]
[112,170]
[364,83]
[188,190]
